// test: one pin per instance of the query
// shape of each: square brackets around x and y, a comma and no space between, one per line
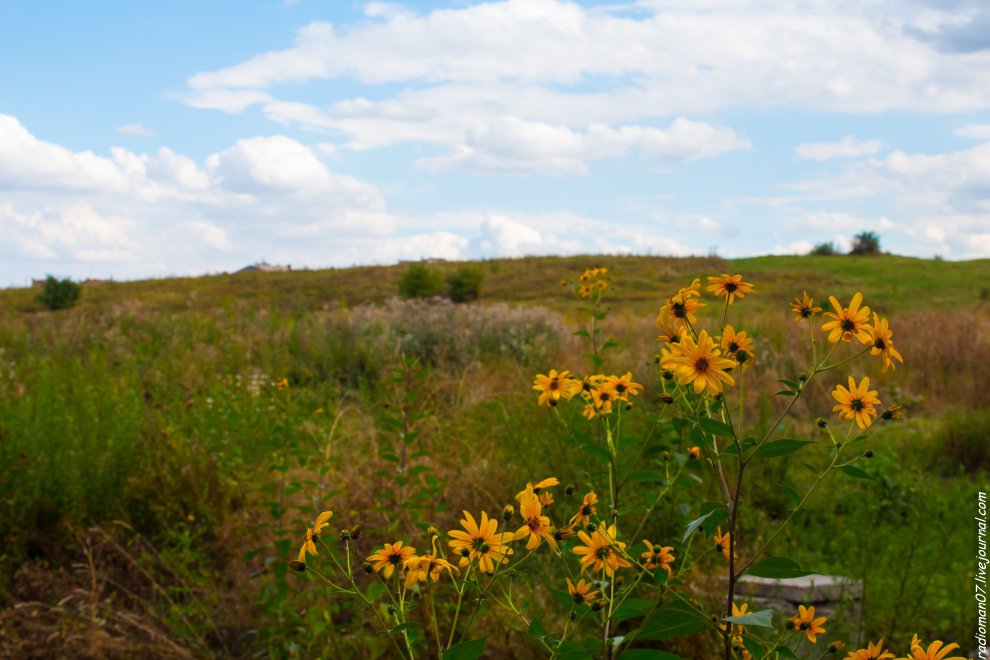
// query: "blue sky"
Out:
[145,140]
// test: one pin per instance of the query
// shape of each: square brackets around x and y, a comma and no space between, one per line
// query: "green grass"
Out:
[153,403]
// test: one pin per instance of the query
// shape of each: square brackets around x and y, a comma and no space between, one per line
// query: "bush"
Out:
[824,249]
[420,281]
[866,242]
[59,294]
[465,285]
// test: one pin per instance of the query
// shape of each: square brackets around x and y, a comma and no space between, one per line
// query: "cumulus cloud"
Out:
[848,147]
[974,131]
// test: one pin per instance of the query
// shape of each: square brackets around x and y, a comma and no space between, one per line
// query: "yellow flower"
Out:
[729,287]
[282,384]
[553,386]
[602,398]
[668,328]
[805,622]
[694,453]
[535,489]
[871,652]
[427,568]
[882,342]
[546,498]
[389,557]
[623,386]
[722,542]
[581,592]
[657,557]
[737,611]
[732,342]
[601,550]
[698,363]
[935,651]
[586,511]
[537,526]
[849,322]
[804,308]
[481,542]
[309,542]
[856,402]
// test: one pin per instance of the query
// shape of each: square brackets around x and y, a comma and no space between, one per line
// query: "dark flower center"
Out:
[880,343]
[481,545]
[554,385]
[604,396]
[733,347]
[586,510]
[701,365]
[603,552]
[847,325]
[856,404]
[805,312]
[678,310]
[395,559]
[620,388]
[730,287]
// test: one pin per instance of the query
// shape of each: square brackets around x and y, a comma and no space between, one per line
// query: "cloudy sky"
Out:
[153,139]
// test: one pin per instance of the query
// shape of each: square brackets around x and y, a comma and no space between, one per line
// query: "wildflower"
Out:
[694,453]
[893,411]
[657,557]
[805,622]
[699,363]
[587,510]
[733,342]
[537,526]
[737,611]
[309,542]
[282,383]
[729,287]
[683,308]
[564,533]
[722,542]
[546,498]
[535,489]
[668,328]
[481,542]
[623,386]
[584,290]
[601,284]
[882,342]
[602,398]
[600,550]
[835,646]
[856,402]
[848,322]
[935,651]
[581,592]
[554,386]
[387,558]
[871,652]
[804,308]
[427,568]
[507,512]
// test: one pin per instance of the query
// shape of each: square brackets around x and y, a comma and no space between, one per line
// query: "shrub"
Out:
[465,284]
[824,249]
[59,294]
[420,281]
[866,242]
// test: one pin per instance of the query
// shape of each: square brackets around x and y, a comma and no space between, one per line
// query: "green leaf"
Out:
[646,475]
[610,344]
[598,452]
[536,630]
[763,618]
[854,471]
[471,650]
[789,383]
[715,427]
[581,333]
[632,608]
[674,619]
[694,525]
[785,393]
[785,652]
[408,625]
[649,654]
[779,568]
[780,448]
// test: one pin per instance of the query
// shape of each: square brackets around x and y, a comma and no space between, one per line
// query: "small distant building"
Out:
[38,284]
[265,267]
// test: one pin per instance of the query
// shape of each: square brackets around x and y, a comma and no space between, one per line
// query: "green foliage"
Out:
[825,249]
[464,285]
[59,294]
[420,281]
[964,439]
[866,243]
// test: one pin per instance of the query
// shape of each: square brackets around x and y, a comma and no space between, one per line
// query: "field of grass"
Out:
[155,480]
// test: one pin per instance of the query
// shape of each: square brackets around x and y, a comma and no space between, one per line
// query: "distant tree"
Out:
[824,249]
[464,285]
[866,242]
[420,281]
[59,294]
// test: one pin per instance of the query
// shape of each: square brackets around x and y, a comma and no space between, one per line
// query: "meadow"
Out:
[165,444]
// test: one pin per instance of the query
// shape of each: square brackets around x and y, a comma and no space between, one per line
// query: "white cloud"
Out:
[849,147]
[797,247]
[137,130]
[974,131]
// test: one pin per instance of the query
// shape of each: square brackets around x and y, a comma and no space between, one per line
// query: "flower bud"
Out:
[356,532]
[666,398]
[667,374]
[299,566]
[822,423]
[569,489]
[835,646]
[507,512]
[869,453]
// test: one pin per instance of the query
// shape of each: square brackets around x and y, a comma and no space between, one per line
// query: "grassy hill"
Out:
[154,479]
